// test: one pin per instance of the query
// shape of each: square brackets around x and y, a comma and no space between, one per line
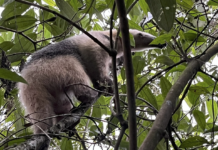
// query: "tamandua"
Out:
[76,60]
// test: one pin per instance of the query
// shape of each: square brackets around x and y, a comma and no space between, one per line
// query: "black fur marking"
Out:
[107,37]
[64,47]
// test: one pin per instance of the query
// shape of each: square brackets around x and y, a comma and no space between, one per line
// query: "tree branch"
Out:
[124,27]
[157,131]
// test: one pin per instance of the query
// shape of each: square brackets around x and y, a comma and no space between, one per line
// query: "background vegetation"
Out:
[176,97]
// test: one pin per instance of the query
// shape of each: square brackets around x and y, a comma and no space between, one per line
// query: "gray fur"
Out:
[76,60]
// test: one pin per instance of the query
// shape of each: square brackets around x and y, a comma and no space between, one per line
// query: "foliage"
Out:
[189,27]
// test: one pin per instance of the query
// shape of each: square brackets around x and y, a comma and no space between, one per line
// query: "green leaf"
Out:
[132,40]
[183,125]
[213,3]
[97,113]
[66,144]
[1,39]
[193,141]
[134,25]
[112,123]
[164,60]
[46,15]
[16,141]
[123,74]
[138,64]
[206,79]
[14,8]
[97,27]
[124,145]
[9,75]
[2,98]
[193,98]
[162,39]
[179,68]
[93,131]
[74,4]
[149,96]
[215,129]
[192,36]
[6,45]
[55,30]
[212,108]
[165,86]
[198,90]
[20,121]
[144,6]
[128,3]
[200,119]
[66,9]
[22,45]
[2,2]
[163,12]
[135,13]
[187,4]
[50,2]
[7,36]
[19,22]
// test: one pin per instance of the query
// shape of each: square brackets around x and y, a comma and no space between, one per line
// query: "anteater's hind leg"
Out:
[39,108]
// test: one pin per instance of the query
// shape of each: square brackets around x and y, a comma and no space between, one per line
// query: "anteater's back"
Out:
[50,74]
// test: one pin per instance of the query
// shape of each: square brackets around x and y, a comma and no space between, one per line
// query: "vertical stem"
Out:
[124,26]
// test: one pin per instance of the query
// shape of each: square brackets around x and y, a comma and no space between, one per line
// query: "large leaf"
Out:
[7,36]
[55,30]
[50,2]
[212,108]
[149,96]
[66,9]
[15,142]
[215,129]
[6,45]
[134,25]
[187,4]
[9,75]
[20,121]
[162,39]
[97,27]
[164,60]
[198,89]
[97,110]
[179,68]
[193,98]
[19,22]
[206,79]
[66,144]
[1,2]
[22,45]
[163,12]
[193,141]
[200,118]
[213,3]
[138,64]
[144,6]
[14,8]
[165,86]
[2,101]
[192,37]
[1,39]
[74,4]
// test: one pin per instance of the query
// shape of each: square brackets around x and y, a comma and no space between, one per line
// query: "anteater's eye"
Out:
[140,34]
